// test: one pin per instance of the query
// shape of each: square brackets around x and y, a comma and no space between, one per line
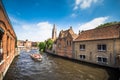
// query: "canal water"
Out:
[56,68]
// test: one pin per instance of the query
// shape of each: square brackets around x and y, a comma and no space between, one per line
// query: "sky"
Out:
[34,19]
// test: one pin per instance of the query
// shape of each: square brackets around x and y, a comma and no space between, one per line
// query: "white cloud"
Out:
[73,15]
[76,7]
[43,30]
[34,32]
[93,23]
[44,25]
[83,4]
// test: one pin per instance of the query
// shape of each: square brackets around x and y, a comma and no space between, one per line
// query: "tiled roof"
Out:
[65,33]
[108,32]
[74,36]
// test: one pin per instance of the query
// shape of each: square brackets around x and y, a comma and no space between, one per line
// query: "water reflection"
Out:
[54,68]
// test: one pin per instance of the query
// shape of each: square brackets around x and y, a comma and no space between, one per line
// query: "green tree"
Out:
[49,44]
[42,46]
[108,24]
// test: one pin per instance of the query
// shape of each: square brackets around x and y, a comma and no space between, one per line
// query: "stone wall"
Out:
[91,52]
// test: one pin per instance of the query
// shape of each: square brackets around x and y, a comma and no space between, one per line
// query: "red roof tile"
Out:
[100,33]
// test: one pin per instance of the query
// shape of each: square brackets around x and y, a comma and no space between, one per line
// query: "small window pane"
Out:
[82,47]
[99,47]
[104,47]
[104,59]
[99,59]
[80,56]
[83,56]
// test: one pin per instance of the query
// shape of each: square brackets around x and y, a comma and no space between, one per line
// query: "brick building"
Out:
[26,44]
[7,42]
[64,43]
[99,46]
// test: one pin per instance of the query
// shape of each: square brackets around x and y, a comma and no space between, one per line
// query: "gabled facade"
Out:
[99,46]
[7,42]
[64,43]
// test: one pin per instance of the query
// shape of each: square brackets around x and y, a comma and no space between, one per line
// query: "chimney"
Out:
[70,27]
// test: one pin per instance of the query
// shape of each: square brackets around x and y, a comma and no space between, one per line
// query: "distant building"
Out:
[7,42]
[34,44]
[64,43]
[26,44]
[54,33]
[20,43]
[54,37]
[99,46]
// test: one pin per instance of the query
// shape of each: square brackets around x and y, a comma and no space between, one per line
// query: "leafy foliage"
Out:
[49,44]
[45,45]
[42,46]
[108,24]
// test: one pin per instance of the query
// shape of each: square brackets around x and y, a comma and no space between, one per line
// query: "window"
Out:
[67,42]
[99,59]
[82,56]
[1,45]
[102,47]
[70,43]
[102,59]
[82,47]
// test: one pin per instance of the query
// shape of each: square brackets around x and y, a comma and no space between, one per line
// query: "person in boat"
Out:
[37,56]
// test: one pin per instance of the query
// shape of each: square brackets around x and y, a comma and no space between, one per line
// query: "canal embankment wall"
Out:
[6,66]
[81,62]
[6,63]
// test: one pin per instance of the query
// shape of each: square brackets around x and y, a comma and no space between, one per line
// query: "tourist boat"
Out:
[36,57]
